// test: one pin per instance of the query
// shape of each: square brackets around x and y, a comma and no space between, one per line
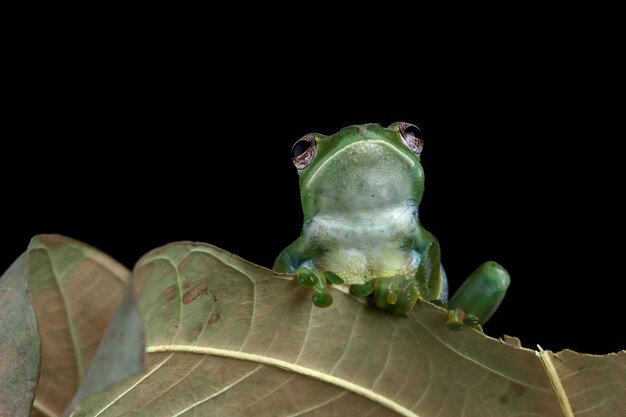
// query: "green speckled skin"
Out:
[360,192]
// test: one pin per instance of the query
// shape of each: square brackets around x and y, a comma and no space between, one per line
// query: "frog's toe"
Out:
[306,277]
[396,293]
[407,297]
[458,319]
[362,290]
[386,291]
[318,281]
[332,277]
[322,298]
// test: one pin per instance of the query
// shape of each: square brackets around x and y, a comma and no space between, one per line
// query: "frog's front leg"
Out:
[479,296]
[400,293]
[291,261]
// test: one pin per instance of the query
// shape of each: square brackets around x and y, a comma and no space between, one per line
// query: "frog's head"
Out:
[365,167]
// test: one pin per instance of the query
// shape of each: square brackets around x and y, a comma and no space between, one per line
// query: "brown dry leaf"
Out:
[228,338]
[76,291]
[594,385]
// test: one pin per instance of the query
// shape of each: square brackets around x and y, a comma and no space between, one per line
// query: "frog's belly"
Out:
[360,246]
[357,266]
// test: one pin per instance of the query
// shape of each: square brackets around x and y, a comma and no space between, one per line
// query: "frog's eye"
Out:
[304,151]
[410,137]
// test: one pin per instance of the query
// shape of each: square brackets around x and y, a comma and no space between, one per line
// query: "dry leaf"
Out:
[76,290]
[228,338]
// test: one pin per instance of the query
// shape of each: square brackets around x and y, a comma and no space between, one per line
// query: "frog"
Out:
[360,191]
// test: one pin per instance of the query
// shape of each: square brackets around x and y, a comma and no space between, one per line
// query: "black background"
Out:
[128,150]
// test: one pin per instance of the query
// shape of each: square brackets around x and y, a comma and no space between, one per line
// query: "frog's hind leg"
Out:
[478,297]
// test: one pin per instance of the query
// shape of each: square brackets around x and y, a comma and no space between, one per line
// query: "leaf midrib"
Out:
[292,367]
[66,308]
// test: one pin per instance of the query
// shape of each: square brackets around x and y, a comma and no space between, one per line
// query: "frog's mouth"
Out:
[366,174]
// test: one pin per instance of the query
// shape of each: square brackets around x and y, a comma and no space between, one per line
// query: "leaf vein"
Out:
[482,365]
[312,373]
[215,394]
[70,327]
[178,381]
[386,361]
[350,338]
[306,333]
[140,380]
[593,407]
[320,405]
[557,386]
[43,409]
[275,389]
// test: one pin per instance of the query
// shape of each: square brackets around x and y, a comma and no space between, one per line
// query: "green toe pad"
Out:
[317,280]
[458,319]
[362,290]
[322,299]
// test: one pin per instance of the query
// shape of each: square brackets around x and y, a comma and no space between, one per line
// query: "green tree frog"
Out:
[360,190]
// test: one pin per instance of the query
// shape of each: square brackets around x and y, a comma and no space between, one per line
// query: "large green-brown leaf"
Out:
[20,346]
[227,338]
[76,291]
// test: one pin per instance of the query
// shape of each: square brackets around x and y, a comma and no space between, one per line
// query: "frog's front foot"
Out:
[318,281]
[479,297]
[397,294]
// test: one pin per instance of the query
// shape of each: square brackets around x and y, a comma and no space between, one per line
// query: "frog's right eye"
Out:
[410,136]
[304,151]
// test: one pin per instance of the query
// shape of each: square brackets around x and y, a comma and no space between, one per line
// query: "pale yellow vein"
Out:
[312,373]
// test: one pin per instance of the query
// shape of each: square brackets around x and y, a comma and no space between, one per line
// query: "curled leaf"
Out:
[76,290]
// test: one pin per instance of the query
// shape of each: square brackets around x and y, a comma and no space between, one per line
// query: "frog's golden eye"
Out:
[304,151]
[410,137]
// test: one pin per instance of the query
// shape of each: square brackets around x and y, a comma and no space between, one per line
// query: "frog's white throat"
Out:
[370,175]
[372,149]
[366,228]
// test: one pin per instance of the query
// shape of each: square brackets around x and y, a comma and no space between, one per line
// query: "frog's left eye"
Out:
[304,151]
[410,137]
